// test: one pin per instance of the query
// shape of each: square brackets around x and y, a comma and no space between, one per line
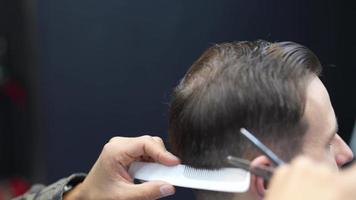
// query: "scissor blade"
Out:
[264,172]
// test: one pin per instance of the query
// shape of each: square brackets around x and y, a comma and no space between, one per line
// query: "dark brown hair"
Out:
[257,85]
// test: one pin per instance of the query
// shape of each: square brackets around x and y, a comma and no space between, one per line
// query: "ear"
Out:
[258,184]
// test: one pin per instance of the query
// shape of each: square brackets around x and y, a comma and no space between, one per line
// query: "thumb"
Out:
[152,190]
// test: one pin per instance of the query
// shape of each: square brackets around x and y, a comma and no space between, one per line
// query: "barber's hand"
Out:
[109,179]
[308,180]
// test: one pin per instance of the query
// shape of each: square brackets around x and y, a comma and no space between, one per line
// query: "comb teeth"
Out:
[218,175]
[196,173]
[223,180]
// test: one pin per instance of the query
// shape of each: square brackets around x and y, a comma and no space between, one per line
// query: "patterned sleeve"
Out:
[52,192]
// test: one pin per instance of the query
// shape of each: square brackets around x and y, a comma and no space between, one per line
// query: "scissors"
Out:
[262,171]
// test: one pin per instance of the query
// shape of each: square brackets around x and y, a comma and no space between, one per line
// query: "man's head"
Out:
[272,89]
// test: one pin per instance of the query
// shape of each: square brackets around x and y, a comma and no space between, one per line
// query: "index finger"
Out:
[133,148]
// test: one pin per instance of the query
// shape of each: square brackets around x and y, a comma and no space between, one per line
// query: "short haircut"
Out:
[258,85]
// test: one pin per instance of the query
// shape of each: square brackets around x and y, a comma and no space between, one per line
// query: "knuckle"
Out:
[108,148]
[105,148]
[146,137]
[114,139]
[158,139]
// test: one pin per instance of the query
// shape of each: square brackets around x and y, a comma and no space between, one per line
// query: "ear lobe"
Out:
[258,184]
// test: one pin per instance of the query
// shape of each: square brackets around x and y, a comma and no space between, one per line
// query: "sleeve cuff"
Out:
[56,190]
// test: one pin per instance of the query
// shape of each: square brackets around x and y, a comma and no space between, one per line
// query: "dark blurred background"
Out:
[73,74]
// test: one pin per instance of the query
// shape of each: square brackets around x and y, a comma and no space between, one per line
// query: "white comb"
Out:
[223,180]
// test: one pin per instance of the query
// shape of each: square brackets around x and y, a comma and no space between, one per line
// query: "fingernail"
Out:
[166,190]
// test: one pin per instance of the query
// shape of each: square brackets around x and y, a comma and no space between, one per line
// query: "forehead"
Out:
[319,114]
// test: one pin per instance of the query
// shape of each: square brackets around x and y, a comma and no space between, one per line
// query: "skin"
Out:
[109,179]
[321,142]
[315,177]
[308,179]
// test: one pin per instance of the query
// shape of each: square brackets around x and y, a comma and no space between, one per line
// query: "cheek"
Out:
[322,154]
[330,157]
